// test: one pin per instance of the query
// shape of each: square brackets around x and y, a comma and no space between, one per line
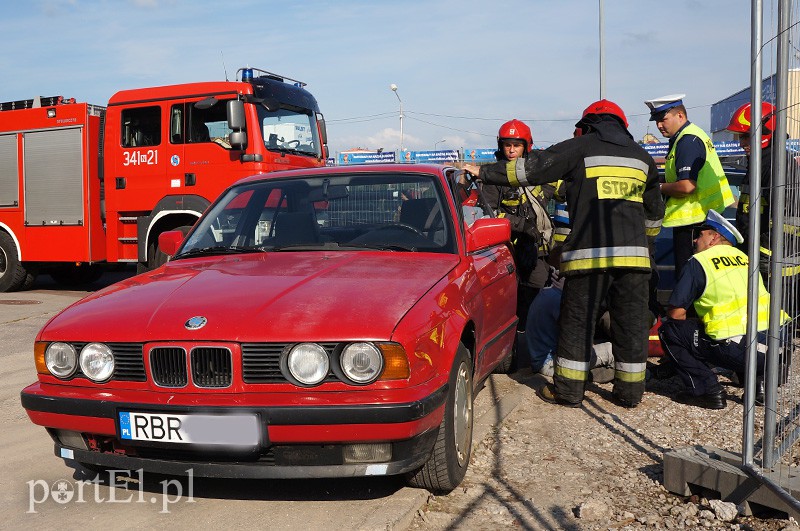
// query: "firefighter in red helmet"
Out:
[740,126]
[514,141]
[612,191]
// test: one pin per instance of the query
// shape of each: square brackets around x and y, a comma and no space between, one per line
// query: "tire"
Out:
[155,257]
[30,278]
[12,273]
[509,363]
[447,464]
[74,276]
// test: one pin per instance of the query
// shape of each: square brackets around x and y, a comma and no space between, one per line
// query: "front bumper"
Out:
[298,441]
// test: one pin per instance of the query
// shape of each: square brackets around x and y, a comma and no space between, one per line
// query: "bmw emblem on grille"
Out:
[196,322]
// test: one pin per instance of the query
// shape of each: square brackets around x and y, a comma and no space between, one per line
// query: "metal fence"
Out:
[770,450]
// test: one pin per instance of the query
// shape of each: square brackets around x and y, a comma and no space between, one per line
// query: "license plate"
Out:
[222,430]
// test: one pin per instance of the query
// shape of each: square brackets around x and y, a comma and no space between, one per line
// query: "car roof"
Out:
[346,170]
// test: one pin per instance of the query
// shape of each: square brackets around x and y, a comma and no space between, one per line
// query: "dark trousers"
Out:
[682,246]
[693,351]
[625,293]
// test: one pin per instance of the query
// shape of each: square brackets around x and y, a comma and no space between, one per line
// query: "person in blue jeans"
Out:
[541,328]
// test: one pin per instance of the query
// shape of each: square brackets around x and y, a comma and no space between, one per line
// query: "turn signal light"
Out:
[395,362]
[38,357]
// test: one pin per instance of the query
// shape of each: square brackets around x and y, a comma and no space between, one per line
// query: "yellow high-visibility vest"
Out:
[712,191]
[723,304]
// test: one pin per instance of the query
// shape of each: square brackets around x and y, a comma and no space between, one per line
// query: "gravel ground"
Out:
[596,467]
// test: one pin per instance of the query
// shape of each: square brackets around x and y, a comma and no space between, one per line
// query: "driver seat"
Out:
[423,214]
[295,227]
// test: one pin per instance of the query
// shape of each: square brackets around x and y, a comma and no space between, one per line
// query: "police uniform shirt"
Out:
[690,155]
[690,285]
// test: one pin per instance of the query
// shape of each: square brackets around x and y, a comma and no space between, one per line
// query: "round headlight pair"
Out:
[96,361]
[309,364]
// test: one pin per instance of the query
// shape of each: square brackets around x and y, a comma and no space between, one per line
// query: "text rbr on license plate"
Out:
[225,430]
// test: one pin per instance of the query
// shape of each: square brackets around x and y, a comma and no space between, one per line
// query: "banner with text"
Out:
[365,157]
[480,155]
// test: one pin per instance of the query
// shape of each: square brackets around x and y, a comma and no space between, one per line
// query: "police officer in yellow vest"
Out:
[714,282]
[694,180]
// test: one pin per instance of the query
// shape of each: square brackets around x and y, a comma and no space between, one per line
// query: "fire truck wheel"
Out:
[30,278]
[155,257]
[12,272]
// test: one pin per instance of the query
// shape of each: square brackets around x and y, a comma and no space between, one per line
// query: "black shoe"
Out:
[548,394]
[759,390]
[713,400]
[624,402]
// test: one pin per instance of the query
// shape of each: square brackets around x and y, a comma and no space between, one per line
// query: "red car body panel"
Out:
[427,302]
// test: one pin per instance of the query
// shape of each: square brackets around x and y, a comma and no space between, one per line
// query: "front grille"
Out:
[168,366]
[261,362]
[211,367]
[128,361]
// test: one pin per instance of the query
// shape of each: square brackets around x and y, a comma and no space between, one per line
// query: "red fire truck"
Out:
[82,185]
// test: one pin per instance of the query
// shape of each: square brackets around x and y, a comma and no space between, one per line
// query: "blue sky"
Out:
[462,67]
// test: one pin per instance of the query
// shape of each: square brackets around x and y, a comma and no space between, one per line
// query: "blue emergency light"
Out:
[247,75]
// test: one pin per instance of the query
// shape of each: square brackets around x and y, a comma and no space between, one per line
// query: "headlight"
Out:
[61,359]
[308,363]
[361,362]
[97,362]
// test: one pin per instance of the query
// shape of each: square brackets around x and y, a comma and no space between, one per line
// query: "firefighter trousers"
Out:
[625,292]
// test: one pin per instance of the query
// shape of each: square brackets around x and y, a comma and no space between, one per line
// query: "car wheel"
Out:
[447,464]
[509,363]
[12,273]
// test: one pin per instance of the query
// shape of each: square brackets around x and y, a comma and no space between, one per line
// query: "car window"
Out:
[384,211]
[467,194]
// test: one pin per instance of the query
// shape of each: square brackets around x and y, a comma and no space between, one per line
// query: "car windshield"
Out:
[289,130]
[383,211]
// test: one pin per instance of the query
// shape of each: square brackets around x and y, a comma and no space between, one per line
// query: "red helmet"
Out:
[740,121]
[515,130]
[606,107]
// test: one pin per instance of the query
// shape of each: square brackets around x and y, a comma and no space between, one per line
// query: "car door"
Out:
[491,287]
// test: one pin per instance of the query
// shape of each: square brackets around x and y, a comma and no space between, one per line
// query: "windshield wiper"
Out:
[217,250]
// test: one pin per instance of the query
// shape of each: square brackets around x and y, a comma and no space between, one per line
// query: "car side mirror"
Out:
[487,232]
[170,241]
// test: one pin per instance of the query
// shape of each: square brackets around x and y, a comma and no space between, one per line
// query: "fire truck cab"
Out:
[83,185]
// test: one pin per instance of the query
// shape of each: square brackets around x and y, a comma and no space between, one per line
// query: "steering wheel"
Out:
[289,143]
[404,226]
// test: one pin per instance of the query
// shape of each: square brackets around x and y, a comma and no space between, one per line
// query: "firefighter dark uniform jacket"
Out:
[611,186]
[560,214]
[514,204]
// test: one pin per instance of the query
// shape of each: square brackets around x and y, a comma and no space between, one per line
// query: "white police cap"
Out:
[664,103]
[715,221]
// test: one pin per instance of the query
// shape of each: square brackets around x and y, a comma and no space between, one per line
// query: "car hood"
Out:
[286,296]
